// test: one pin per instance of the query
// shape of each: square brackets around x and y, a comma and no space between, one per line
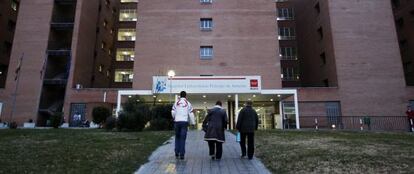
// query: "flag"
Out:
[17,71]
[43,70]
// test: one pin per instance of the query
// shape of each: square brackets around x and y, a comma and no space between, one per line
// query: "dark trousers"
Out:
[250,144]
[180,136]
[216,148]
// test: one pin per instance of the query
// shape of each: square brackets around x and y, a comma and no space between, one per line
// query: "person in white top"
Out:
[182,113]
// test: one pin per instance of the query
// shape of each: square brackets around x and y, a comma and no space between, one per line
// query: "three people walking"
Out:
[214,126]
[182,113]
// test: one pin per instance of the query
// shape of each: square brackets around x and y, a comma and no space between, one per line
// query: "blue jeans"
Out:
[180,136]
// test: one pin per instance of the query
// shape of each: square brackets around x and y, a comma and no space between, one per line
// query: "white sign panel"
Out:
[213,84]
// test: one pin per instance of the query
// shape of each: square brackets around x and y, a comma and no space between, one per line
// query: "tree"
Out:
[135,115]
[100,114]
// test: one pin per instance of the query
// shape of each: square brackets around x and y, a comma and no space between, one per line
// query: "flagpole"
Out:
[15,89]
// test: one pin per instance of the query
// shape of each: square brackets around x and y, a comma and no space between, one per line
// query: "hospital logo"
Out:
[254,84]
[160,86]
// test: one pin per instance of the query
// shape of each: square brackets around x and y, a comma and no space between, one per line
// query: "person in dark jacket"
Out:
[410,117]
[247,123]
[214,125]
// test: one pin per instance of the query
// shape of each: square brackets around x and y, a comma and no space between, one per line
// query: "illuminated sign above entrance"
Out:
[213,84]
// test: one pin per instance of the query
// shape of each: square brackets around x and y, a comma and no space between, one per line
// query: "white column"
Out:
[281,114]
[296,109]
[236,109]
[118,104]
[104,97]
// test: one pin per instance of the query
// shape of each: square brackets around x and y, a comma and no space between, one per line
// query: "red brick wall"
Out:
[244,38]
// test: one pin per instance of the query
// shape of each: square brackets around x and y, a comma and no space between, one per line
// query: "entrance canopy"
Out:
[204,91]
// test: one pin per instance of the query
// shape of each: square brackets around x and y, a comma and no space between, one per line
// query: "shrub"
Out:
[161,118]
[135,115]
[56,119]
[110,123]
[13,125]
[100,114]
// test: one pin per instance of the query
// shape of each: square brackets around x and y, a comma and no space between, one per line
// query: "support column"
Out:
[281,114]
[295,95]
[118,104]
[236,109]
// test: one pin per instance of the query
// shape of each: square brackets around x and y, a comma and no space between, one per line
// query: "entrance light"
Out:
[271,99]
[254,95]
[278,95]
[171,74]
[229,96]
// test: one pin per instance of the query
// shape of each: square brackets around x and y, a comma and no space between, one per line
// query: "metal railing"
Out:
[364,123]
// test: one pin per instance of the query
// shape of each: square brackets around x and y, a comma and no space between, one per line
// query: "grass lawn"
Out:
[76,151]
[335,152]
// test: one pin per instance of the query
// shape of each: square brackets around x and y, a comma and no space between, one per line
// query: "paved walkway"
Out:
[198,161]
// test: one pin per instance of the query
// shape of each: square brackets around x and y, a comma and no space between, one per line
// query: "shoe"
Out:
[176,156]
[250,158]
[243,156]
[181,157]
[213,157]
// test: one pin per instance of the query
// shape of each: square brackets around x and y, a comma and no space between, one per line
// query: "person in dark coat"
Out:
[214,125]
[410,117]
[247,123]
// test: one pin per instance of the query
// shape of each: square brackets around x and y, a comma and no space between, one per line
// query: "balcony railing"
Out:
[288,58]
[285,18]
[65,2]
[291,78]
[364,123]
[287,37]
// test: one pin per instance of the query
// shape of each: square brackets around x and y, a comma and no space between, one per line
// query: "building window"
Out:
[206,1]
[206,52]
[105,23]
[290,74]
[288,53]
[317,8]
[14,5]
[7,48]
[286,33]
[320,32]
[326,83]
[285,14]
[128,15]
[323,58]
[395,3]
[11,25]
[206,24]
[128,1]
[400,23]
[103,45]
[408,68]
[125,75]
[108,73]
[125,54]
[403,45]
[126,35]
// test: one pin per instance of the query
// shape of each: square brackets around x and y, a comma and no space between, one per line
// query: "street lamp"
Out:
[171,74]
